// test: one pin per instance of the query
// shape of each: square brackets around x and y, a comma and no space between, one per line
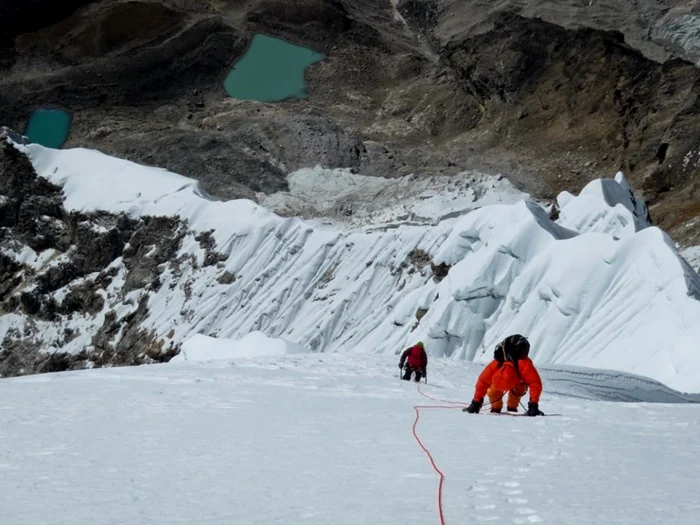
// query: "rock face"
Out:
[236,157]
[44,248]
[551,94]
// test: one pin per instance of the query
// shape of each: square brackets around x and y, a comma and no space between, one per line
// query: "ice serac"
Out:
[622,299]
[606,206]
[596,287]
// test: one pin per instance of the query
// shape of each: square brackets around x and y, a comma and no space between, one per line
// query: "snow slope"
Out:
[595,288]
[324,439]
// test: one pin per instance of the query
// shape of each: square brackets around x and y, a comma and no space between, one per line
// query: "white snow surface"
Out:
[201,348]
[326,438]
[605,206]
[597,288]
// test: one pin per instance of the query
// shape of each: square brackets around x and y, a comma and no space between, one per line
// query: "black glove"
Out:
[474,407]
[401,366]
[533,409]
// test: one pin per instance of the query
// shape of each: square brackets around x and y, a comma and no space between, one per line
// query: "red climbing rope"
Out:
[460,403]
[454,404]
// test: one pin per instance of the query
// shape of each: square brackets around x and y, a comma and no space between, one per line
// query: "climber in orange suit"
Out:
[512,373]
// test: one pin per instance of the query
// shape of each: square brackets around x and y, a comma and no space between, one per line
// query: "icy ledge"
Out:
[596,288]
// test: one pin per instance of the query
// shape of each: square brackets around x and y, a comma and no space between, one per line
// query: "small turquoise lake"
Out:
[49,127]
[271,70]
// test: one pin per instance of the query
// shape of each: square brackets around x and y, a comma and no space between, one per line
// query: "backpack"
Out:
[415,358]
[512,348]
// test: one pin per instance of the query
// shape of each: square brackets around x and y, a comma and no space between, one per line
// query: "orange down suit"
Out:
[497,379]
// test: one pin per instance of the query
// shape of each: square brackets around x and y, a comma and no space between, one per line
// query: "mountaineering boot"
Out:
[495,410]
[533,409]
[515,409]
[474,407]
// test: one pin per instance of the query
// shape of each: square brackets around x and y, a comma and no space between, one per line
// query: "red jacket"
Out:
[417,358]
[505,377]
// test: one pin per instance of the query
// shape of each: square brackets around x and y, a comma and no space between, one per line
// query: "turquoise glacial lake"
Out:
[271,70]
[49,127]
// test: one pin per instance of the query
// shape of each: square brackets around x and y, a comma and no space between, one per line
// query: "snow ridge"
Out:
[597,287]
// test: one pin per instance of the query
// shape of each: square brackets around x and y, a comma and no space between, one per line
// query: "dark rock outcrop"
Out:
[81,268]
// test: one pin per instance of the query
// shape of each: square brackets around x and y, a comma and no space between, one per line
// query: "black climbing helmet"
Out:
[516,347]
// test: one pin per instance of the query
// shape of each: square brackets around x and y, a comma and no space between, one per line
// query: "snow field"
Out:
[326,439]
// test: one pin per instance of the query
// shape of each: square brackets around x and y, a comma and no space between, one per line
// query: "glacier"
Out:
[588,280]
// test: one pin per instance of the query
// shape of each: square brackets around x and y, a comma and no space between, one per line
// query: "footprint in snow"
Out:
[524,514]
[511,488]
[534,518]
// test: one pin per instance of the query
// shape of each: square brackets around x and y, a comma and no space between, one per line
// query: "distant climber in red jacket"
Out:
[417,362]
[511,372]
